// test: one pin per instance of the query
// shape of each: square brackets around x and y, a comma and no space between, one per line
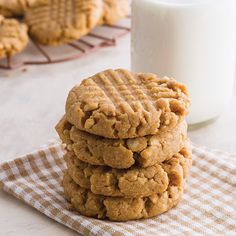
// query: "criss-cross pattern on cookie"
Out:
[122,104]
[60,21]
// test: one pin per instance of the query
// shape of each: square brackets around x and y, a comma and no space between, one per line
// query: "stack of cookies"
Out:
[126,142]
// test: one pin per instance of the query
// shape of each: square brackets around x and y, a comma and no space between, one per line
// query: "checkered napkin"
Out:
[208,206]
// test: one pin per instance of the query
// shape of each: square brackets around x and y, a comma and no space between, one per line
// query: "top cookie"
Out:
[10,8]
[115,10]
[121,104]
[58,22]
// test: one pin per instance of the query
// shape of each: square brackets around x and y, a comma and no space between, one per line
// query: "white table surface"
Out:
[32,102]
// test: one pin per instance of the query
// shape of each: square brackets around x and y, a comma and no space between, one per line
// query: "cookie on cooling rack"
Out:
[10,8]
[115,10]
[13,37]
[59,22]
[120,104]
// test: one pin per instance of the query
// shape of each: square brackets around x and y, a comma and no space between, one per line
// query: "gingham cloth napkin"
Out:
[208,206]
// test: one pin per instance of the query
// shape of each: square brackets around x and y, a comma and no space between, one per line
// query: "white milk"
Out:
[192,41]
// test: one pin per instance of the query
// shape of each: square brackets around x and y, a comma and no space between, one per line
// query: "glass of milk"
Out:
[192,41]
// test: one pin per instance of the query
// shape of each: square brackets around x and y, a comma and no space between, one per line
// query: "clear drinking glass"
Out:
[192,41]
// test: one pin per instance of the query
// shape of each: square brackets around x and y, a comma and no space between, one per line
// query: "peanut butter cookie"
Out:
[63,128]
[133,182]
[58,22]
[120,104]
[123,153]
[115,10]
[118,208]
[11,8]
[13,37]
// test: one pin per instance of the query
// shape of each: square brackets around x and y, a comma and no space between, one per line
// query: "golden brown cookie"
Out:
[10,8]
[121,104]
[115,10]
[133,182]
[63,128]
[13,37]
[118,208]
[58,22]
[123,153]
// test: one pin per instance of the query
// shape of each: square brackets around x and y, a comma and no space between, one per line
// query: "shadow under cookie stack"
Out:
[127,150]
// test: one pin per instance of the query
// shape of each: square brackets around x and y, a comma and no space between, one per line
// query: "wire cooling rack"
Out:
[35,54]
